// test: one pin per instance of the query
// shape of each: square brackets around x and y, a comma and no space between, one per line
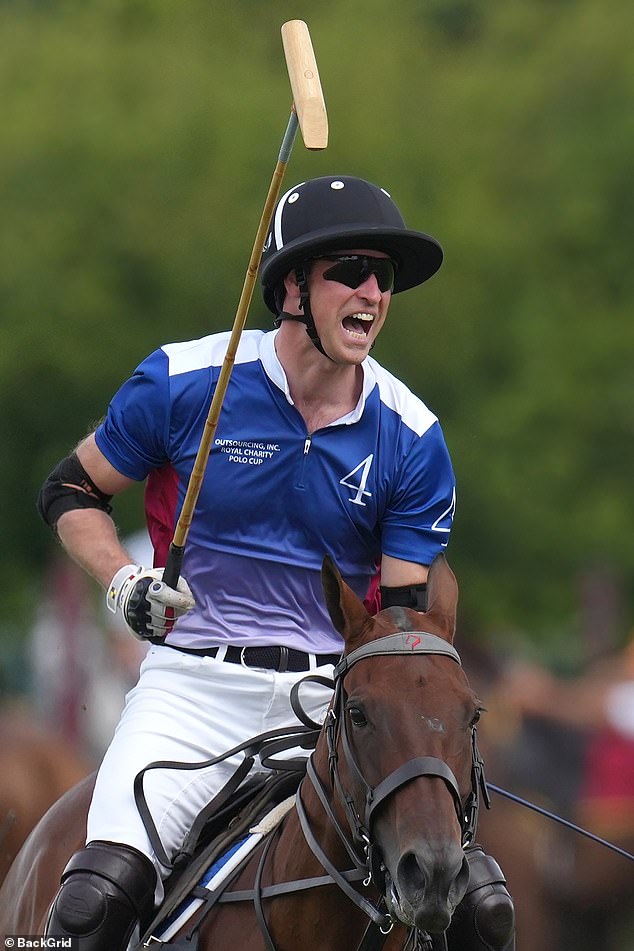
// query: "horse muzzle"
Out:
[427,886]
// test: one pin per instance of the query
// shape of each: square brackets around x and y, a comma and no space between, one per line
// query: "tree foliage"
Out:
[139,137]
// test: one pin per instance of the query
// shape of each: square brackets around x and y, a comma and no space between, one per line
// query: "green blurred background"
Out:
[138,142]
[138,139]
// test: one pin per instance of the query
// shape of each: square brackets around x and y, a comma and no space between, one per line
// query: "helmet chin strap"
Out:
[306,317]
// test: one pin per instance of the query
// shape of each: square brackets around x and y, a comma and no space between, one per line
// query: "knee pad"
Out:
[106,889]
[485,918]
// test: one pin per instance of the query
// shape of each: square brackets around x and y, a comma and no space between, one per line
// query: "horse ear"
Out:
[347,612]
[442,594]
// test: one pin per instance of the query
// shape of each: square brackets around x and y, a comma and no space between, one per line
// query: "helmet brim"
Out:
[418,256]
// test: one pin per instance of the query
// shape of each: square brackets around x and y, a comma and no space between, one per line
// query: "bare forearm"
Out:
[90,538]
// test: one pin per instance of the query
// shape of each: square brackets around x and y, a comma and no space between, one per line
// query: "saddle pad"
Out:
[215,875]
[221,869]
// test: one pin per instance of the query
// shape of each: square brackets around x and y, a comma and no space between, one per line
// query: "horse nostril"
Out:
[411,875]
[422,874]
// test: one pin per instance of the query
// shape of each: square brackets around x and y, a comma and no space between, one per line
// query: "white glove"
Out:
[148,606]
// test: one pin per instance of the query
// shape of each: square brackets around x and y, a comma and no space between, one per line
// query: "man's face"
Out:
[349,319]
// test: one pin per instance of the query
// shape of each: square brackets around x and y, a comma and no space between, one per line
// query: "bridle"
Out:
[357,839]
[361,849]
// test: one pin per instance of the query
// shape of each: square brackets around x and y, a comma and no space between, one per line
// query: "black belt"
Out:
[268,658]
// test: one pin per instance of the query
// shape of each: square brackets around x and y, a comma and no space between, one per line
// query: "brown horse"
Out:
[37,766]
[389,790]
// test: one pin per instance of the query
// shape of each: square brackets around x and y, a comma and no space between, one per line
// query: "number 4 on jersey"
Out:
[359,487]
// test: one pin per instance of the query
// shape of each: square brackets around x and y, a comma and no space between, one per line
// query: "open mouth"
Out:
[358,325]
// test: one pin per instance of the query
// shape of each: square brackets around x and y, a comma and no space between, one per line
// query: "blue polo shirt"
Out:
[275,498]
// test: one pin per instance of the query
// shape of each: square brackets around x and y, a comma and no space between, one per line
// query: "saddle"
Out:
[218,836]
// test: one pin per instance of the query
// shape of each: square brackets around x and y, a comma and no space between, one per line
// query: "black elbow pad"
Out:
[409,596]
[69,487]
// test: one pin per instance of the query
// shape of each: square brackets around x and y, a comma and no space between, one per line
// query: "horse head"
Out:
[405,746]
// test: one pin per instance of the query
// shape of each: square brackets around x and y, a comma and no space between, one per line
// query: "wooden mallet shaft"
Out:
[309,113]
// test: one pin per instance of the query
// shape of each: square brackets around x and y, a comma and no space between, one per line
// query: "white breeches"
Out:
[187,708]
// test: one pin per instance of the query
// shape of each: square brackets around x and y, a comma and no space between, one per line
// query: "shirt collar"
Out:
[275,372]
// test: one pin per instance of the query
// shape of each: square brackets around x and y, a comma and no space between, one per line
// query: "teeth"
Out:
[352,325]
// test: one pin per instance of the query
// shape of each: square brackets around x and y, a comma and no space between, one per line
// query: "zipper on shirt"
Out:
[307,444]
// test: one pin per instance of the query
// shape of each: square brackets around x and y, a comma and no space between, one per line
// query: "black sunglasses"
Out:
[354,269]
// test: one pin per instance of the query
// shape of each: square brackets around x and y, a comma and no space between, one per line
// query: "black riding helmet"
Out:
[337,213]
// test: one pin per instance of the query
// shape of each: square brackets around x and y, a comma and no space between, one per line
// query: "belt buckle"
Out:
[242,658]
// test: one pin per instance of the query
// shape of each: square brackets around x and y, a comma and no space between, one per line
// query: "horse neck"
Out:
[301,857]
[293,860]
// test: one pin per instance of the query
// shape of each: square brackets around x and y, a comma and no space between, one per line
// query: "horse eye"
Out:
[476,716]
[357,715]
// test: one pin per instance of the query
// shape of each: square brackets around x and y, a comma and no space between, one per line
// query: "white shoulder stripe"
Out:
[210,351]
[394,394]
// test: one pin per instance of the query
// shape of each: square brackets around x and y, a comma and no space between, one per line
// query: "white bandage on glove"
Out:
[148,606]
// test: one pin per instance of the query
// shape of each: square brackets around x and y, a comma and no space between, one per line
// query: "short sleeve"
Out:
[419,515]
[134,435]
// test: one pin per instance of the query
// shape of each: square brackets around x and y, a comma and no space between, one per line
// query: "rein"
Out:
[564,822]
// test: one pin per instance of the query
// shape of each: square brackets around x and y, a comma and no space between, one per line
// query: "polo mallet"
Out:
[309,113]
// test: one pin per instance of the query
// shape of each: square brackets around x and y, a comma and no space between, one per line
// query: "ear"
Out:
[347,612]
[291,289]
[442,595]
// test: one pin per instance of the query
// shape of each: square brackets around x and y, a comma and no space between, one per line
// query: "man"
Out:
[318,449]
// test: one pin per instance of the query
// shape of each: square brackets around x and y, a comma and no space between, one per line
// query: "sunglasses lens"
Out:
[384,271]
[355,270]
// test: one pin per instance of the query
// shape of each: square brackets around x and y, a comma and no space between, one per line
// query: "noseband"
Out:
[361,850]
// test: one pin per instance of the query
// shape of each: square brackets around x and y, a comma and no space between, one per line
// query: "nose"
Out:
[369,290]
